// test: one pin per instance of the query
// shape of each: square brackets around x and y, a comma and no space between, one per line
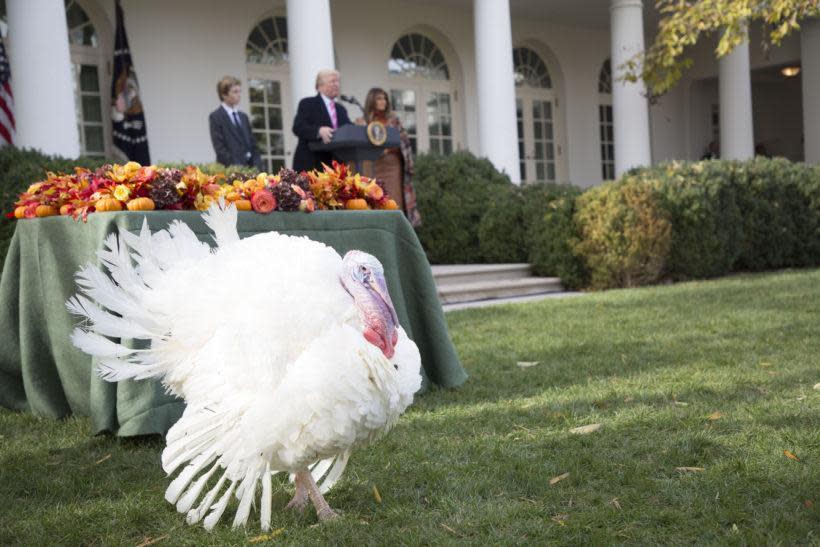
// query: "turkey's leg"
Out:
[300,498]
[323,510]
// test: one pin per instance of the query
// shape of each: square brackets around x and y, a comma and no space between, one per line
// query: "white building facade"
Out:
[531,84]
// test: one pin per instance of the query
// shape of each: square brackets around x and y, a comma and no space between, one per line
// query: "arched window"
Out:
[266,55]
[605,124]
[530,69]
[535,111]
[422,93]
[268,42]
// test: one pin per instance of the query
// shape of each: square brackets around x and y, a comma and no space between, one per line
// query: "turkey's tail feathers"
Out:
[207,440]
[221,219]
[115,305]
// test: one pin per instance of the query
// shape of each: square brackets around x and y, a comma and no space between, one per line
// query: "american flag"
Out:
[6,99]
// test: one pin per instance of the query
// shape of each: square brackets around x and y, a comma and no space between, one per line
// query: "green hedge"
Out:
[18,170]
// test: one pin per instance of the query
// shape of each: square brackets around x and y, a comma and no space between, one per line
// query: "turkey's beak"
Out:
[387,329]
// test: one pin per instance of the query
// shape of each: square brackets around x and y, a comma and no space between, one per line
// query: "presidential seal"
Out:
[376,133]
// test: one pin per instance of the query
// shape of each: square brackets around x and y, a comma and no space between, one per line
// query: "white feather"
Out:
[221,219]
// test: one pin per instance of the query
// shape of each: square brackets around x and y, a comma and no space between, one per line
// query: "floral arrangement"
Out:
[143,188]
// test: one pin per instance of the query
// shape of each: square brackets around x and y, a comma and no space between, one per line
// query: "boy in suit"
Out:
[231,129]
[316,119]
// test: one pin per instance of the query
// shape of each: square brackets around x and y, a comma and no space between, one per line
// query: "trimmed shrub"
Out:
[453,193]
[501,232]
[625,234]
[706,222]
[550,232]
[779,223]
[18,170]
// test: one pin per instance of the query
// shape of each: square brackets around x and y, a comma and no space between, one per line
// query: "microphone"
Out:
[350,99]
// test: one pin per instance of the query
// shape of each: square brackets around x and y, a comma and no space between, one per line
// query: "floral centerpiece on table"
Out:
[144,188]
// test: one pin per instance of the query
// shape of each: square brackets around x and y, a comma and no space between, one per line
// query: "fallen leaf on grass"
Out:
[376,494]
[765,364]
[817,386]
[717,415]
[559,478]
[694,469]
[808,504]
[450,529]
[102,459]
[735,529]
[680,403]
[791,455]
[560,518]
[151,541]
[527,364]
[801,397]
[266,537]
[586,429]
[614,502]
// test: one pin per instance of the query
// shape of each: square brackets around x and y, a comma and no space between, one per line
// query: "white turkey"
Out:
[287,355]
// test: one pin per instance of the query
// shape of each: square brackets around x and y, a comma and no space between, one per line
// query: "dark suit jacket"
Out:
[231,143]
[310,116]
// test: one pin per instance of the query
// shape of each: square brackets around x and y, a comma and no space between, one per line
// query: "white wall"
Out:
[182,47]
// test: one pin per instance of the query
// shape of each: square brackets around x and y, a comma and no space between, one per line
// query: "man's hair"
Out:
[224,85]
[325,73]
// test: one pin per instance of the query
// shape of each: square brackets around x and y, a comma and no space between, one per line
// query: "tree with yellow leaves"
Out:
[683,23]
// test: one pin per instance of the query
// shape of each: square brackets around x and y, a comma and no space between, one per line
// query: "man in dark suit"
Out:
[316,119]
[231,129]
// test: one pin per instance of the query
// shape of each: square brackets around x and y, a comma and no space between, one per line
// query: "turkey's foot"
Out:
[323,510]
[300,498]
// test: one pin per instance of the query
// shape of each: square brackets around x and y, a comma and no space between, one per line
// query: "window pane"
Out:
[277,144]
[94,138]
[261,140]
[92,111]
[89,81]
[275,118]
[523,171]
[536,127]
[550,152]
[539,171]
[550,171]
[258,117]
[434,146]
[548,128]
[548,110]
[446,128]
[274,92]
[277,165]
[447,147]
[256,93]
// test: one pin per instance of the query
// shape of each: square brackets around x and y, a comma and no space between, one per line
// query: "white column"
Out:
[310,45]
[497,129]
[41,77]
[810,74]
[735,84]
[630,109]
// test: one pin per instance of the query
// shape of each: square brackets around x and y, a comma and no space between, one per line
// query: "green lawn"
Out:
[714,375]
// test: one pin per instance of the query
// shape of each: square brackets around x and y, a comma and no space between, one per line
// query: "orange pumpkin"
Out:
[20,212]
[108,204]
[141,204]
[243,205]
[46,211]
[65,209]
[390,205]
[357,204]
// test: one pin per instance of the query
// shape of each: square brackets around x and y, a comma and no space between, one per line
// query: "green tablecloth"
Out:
[42,372]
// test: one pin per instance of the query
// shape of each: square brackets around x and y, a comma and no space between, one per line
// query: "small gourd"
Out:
[390,205]
[357,204]
[20,212]
[108,204]
[243,205]
[46,211]
[65,209]
[141,204]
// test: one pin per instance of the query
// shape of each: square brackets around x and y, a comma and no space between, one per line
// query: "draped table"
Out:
[42,372]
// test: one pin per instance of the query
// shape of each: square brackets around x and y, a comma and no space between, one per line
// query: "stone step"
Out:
[459,274]
[499,288]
